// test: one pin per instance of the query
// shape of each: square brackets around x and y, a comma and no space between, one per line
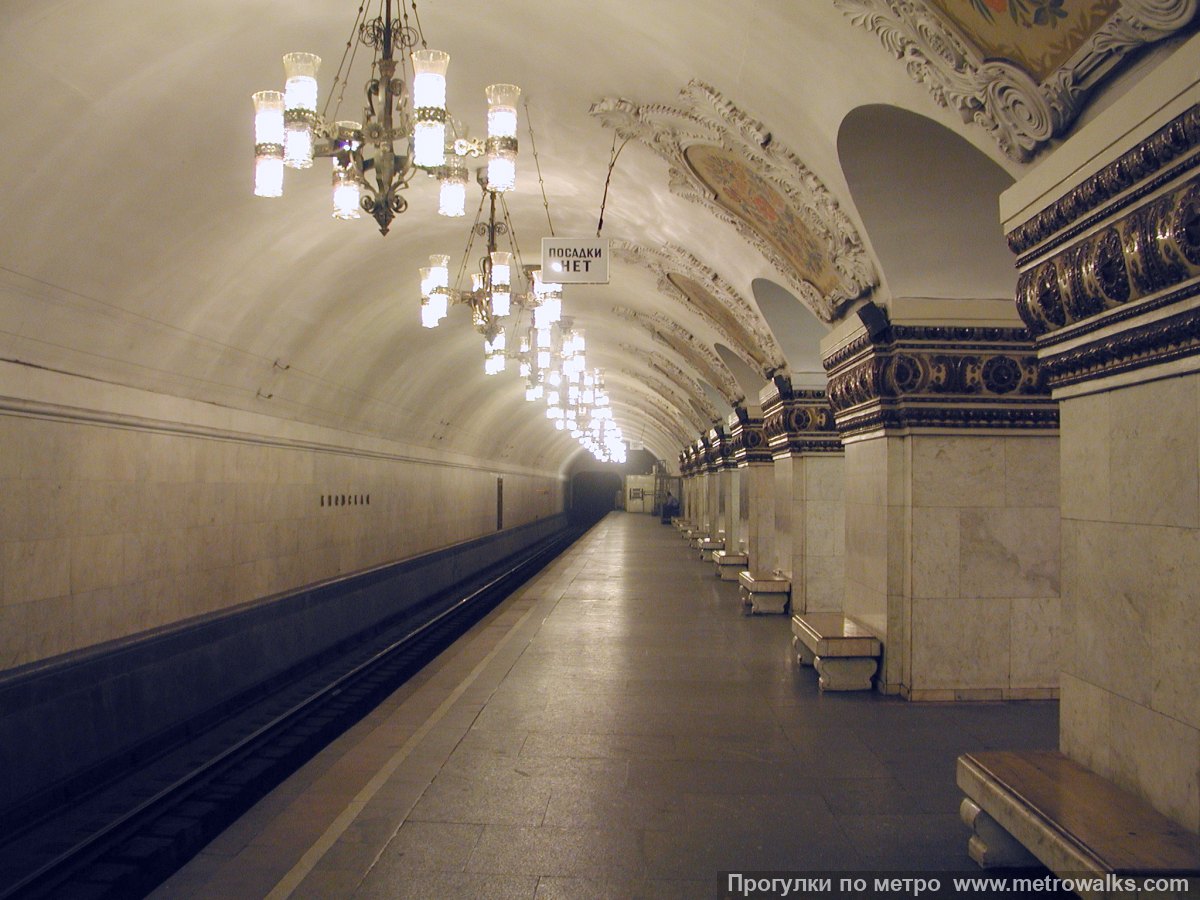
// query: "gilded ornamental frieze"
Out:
[922,378]
[798,420]
[1104,266]
[732,165]
[749,439]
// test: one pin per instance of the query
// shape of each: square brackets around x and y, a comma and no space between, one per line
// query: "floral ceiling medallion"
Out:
[688,281]
[1022,69]
[722,159]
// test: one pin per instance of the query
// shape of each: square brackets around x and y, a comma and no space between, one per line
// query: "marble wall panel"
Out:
[1031,472]
[958,471]
[960,644]
[825,477]
[935,562]
[1084,722]
[1156,756]
[1154,446]
[1107,610]
[1035,636]
[825,532]
[1009,552]
[824,583]
[108,531]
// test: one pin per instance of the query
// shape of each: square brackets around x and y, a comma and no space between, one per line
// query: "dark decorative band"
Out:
[962,380]
[750,443]
[961,336]
[1174,140]
[1153,249]
[800,446]
[1166,340]
[1041,417]
[799,426]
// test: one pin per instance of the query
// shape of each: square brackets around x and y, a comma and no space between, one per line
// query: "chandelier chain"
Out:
[344,67]
[512,233]
[417,17]
[537,164]
[612,162]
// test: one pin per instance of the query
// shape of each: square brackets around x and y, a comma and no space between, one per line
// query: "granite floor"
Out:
[615,729]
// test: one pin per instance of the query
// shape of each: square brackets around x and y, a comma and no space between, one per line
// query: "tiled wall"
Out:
[108,530]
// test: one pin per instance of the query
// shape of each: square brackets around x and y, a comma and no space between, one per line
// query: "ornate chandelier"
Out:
[402,131]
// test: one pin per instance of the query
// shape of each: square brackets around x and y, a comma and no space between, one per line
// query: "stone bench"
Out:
[764,592]
[1025,807]
[844,652]
[709,547]
[730,564]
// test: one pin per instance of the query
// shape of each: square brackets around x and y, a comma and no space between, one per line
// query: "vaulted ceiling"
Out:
[780,162]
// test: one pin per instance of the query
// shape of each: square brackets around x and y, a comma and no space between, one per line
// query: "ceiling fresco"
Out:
[732,164]
[1040,36]
[1021,69]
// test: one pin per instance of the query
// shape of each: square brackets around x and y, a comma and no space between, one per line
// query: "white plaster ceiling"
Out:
[134,251]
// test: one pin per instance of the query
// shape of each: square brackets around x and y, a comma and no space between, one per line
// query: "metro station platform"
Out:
[616,728]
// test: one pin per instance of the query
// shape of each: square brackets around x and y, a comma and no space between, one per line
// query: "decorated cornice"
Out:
[798,421]
[701,356]
[749,439]
[720,445]
[764,354]
[1154,248]
[1021,110]
[939,378]
[1164,157]
[706,122]
[1115,289]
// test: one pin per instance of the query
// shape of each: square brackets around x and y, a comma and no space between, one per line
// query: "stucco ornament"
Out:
[730,163]
[964,52]
[697,353]
[675,375]
[681,409]
[681,277]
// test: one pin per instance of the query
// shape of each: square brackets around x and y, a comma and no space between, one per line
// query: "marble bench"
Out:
[709,547]
[844,652]
[729,564]
[764,592]
[1030,806]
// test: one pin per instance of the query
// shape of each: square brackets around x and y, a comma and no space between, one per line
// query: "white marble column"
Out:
[952,539]
[1112,289]
[756,480]
[809,500]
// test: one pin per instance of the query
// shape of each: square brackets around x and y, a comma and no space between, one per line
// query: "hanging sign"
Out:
[575,260]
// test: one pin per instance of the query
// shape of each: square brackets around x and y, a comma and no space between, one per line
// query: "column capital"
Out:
[798,420]
[952,377]
[748,439]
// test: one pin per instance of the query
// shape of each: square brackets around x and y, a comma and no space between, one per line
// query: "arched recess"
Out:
[796,329]
[929,202]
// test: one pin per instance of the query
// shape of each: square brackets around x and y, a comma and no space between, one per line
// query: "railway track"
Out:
[125,838]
